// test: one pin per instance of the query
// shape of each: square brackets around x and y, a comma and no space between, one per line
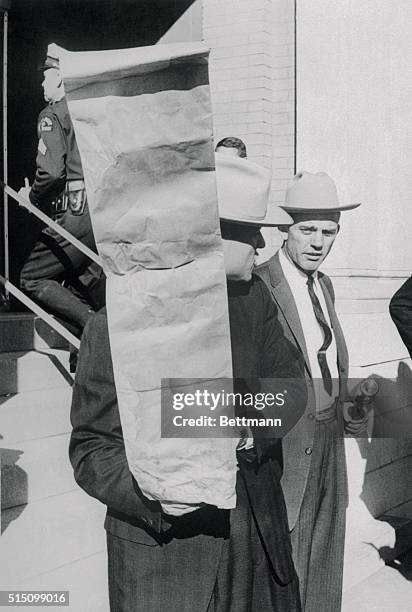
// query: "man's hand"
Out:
[356,412]
[24,191]
[356,420]
[245,439]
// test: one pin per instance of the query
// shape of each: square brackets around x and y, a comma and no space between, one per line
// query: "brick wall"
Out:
[283,95]
[252,82]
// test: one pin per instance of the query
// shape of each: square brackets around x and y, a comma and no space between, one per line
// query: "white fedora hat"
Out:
[315,192]
[243,193]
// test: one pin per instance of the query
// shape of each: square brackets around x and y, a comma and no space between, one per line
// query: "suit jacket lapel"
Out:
[286,303]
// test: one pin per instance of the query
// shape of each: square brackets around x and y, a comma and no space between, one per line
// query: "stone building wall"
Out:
[253,83]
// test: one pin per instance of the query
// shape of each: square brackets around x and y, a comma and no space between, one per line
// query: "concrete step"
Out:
[387,590]
[35,470]
[49,534]
[363,287]
[389,487]
[402,513]
[35,414]
[387,369]
[30,371]
[364,306]
[364,534]
[24,331]
[85,579]
[369,585]
[16,331]
[381,343]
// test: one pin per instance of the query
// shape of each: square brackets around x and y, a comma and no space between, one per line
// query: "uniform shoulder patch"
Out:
[45,124]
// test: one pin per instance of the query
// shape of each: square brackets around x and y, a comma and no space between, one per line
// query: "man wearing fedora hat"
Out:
[56,274]
[314,478]
[208,559]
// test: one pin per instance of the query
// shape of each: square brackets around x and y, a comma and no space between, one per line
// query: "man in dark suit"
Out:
[209,559]
[314,478]
[400,309]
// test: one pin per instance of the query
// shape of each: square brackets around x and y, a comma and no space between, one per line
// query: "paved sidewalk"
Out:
[385,591]
[369,584]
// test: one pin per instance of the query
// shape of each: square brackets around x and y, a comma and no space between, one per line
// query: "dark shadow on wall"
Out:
[387,485]
[14,487]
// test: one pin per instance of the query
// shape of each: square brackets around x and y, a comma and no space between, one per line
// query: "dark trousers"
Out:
[318,538]
[60,277]
[208,565]
[246,581]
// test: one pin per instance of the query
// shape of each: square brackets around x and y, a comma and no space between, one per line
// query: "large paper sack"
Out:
[143,124]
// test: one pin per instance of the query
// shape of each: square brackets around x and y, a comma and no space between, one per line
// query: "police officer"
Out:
[56,274]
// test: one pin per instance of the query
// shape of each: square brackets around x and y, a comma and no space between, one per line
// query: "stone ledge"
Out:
[33,370]
[24,331]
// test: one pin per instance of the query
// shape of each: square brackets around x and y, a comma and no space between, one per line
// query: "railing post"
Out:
[5,5]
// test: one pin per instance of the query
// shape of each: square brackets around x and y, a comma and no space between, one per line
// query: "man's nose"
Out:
[317,240]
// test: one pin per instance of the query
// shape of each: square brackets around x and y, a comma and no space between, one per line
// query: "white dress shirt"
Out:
[312,331]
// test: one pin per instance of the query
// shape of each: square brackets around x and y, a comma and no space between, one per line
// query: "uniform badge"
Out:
[46,124]
[42,147]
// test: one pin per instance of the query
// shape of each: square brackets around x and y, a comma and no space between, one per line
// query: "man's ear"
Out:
[59,76]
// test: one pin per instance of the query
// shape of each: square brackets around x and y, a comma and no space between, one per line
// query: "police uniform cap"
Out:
[52,58]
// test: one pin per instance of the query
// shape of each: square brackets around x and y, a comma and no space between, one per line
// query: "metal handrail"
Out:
[57,228]
[58,327]
[40,312]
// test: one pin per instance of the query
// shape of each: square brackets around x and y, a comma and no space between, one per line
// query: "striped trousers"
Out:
[318,537]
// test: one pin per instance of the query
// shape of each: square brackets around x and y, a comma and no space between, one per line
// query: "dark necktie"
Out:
[327,333]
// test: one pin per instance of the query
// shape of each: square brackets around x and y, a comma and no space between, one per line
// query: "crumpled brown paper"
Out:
[143,124]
